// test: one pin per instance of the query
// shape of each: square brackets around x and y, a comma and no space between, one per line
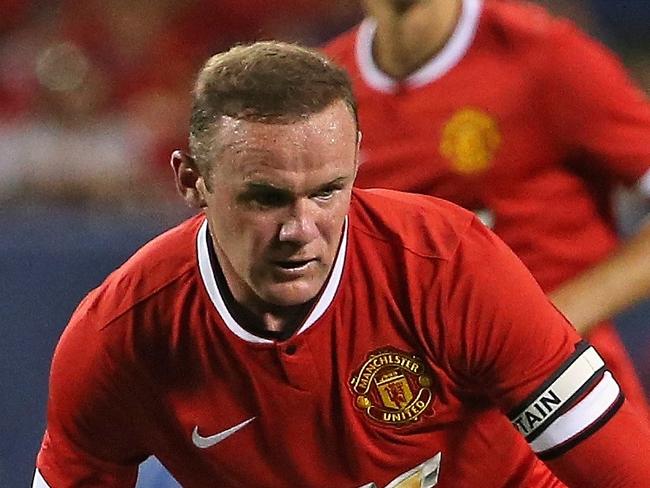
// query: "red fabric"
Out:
[610,446]
[147,357]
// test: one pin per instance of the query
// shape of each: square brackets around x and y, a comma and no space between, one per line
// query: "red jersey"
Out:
[521,117]
[431,355]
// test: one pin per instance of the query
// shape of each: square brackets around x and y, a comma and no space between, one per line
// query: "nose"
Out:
[300,226]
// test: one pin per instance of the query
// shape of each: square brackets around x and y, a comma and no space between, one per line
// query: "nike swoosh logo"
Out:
[205,442]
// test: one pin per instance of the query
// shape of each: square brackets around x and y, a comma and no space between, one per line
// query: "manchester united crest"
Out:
[392,387]
[470,138]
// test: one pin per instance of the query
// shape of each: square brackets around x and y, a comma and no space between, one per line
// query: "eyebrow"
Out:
[257,186]
[265,185]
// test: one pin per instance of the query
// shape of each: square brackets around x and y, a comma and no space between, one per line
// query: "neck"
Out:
[259,317]
[404,42]
[264,319]
[279,321]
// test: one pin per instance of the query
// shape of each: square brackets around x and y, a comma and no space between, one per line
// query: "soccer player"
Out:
[297,332]
[518,116]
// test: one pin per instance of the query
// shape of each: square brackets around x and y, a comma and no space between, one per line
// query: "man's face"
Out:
[278,197]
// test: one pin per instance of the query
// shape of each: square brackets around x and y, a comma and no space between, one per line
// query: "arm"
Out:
[609,287]
[558,395]
[610,445]
[92,419]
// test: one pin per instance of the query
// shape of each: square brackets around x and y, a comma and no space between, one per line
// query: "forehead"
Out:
[321,142]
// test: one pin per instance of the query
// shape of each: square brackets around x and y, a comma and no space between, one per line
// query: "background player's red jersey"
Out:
[520,118]
[428,348]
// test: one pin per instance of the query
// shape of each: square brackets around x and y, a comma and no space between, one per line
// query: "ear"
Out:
[189,180]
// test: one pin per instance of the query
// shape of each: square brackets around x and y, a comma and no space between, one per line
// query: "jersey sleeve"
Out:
[512,346]
[91,437]
[594,106]
[614,456]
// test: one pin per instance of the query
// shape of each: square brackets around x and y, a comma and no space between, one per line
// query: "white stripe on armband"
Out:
[39,482]
[539,413]
[590,409]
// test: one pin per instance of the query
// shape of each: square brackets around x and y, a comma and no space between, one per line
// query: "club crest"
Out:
[392,387]
[470,138]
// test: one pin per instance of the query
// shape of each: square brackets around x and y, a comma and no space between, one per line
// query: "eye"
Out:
[325,193]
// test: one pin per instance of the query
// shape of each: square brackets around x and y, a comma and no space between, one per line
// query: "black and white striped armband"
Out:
[580,397]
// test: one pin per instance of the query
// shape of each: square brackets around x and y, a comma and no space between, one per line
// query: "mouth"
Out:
[293,265]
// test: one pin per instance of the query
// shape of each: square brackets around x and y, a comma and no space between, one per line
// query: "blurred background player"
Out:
[520,117]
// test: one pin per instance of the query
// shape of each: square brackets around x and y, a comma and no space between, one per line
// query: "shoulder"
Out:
[419,224]
[155,266]
[523,26]
[520,19]
[101,348]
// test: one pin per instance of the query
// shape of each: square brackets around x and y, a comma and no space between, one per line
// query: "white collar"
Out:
[448,57]
[324,301]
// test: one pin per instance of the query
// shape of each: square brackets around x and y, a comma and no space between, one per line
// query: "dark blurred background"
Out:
[94,95]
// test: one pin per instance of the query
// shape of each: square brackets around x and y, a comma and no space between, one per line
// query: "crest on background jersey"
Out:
[392,387]
[470,138]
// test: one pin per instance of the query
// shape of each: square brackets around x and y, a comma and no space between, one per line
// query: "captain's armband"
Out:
[580,397]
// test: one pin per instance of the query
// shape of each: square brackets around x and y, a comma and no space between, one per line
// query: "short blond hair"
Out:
[270,81]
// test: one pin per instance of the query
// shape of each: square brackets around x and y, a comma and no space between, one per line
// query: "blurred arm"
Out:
[609,287]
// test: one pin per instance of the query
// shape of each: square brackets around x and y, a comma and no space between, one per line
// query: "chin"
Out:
[291,294]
